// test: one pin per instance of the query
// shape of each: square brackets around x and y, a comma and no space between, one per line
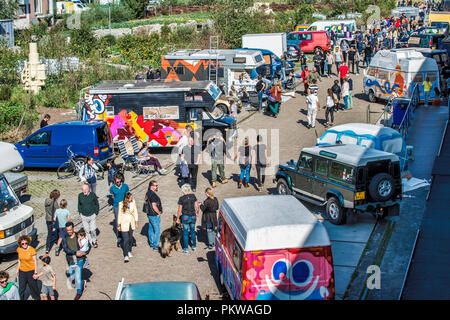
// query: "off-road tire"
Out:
[335,212]
[283,188]
[382,188]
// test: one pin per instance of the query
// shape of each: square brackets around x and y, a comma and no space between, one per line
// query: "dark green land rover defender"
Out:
[348,179]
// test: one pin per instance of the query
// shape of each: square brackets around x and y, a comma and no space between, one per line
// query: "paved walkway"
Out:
[425,135]
[428,276]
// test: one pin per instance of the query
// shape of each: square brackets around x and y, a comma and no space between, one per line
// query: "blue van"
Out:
[47,147]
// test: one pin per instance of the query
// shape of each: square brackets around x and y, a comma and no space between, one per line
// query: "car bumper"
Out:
[376,205]
[12,247]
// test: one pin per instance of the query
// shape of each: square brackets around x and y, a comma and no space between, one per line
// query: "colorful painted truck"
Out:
[234,67]
[273,248]
[399,68]
[155,112]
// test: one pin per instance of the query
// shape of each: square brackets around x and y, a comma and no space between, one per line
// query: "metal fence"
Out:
[409,113]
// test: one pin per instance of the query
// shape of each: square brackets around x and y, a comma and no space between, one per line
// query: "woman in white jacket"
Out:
[127,221]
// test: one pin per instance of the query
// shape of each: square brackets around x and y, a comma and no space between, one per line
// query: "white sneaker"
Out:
[162,171]
[130,255]
[126,259]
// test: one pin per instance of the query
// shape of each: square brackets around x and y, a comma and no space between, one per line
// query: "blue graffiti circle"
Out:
[280,267]
[302,272]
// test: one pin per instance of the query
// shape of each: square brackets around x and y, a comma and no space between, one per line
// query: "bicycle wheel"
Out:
[66,170]
[100,172]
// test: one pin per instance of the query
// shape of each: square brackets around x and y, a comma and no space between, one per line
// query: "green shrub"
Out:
[99,15]
[82,41]
[137,7]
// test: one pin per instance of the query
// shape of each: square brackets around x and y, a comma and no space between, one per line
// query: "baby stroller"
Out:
[129,151]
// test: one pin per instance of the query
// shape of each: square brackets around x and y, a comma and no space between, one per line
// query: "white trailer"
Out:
[275,42]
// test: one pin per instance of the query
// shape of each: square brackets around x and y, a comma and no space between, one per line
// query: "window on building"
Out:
[37,6]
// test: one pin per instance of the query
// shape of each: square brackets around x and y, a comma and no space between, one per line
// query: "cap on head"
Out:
[45,258]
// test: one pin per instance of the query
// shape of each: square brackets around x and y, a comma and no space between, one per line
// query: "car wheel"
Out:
[17,169]
[335,211]
[381,188]
[372,97]
[283,188]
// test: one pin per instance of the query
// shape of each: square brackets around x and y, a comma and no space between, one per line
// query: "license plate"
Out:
[105,149]
[360,195]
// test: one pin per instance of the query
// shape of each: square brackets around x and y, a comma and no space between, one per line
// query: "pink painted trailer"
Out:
[273,247]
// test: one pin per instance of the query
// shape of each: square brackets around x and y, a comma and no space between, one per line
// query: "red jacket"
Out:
[276,93]
[305,74]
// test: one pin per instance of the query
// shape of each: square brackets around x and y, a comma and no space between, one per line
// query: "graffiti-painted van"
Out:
[399,68]
[273,248]
[154,112]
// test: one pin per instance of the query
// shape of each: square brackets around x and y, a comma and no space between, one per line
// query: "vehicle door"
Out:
[36,150]
[302,180]
[292,38]
[306,43]
[320,180]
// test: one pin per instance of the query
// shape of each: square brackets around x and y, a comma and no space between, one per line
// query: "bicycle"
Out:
[73,166]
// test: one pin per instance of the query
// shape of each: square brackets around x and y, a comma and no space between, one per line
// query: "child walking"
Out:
[62,216]
[48,279]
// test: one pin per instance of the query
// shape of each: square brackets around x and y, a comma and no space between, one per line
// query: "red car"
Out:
[308,41]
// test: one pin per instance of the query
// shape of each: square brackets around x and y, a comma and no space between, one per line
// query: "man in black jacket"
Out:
[318,60]
[351,58]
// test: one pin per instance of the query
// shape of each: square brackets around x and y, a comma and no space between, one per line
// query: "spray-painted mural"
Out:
[279,275]
[163,132]
[182,70]
[384,82]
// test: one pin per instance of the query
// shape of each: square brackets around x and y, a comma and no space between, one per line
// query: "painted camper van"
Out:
[273,248]
[399,68]
[343,29]
[367,135]
[235,67]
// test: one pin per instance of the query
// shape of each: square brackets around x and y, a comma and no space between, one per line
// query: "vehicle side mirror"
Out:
[27,143]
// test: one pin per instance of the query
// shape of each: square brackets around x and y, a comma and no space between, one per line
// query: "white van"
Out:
[16,219]
[399,68]
[344,29]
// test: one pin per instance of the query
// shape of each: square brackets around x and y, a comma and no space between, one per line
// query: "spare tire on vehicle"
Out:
[381,188]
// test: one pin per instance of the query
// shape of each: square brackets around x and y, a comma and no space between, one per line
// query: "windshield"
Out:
[8,199]
[216,113]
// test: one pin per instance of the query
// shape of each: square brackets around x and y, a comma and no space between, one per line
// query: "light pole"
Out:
[109,13]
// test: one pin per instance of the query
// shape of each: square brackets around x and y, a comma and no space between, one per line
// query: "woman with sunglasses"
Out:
[8,290]
[27,268]
[127,221]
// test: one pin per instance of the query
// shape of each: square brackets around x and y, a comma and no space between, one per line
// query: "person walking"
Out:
[357,60]
[75,258]
[260,88]
[351,58]
[27,268]
[88,173]
[192,154]
[330,62]
[117,192]
[313,105]
[244,155]
[350,92]
[329,108]
[338,58]
[368,54]
[344,49]
[113,169]
[88,208]
[233,112]
[275,92]
[153,208]
[216,147]
[304,75]
[187,214]
[303,60]
[317,59]
[48,279]
[209,209]
[343,71]
[284,66]
[336,94]
[127,222]
[8,290]
[62,216]
[260,162]
[345,93]
[51,204]
[427,86]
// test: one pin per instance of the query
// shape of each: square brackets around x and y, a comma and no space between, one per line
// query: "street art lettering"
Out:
[95,105]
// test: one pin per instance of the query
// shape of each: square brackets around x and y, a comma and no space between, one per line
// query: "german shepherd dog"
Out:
[170,238]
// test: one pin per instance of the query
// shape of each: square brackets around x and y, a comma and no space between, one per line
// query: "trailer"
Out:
[155,112]
[275,42]
[223,66]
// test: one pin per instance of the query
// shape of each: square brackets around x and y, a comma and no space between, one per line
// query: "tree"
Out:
[8,9]
[137,7]
[304,13]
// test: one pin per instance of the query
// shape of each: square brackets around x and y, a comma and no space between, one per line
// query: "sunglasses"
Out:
[4,281]
[23,243]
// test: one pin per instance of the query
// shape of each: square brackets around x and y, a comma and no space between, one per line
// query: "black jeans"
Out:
[27,278]
[193,171]
[127,241]
[352,64]
[261,174]
[50,235]
[330,68]
[329,111]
